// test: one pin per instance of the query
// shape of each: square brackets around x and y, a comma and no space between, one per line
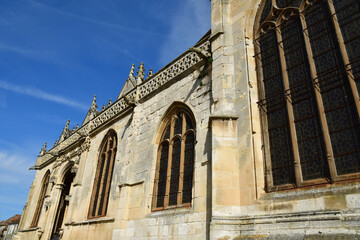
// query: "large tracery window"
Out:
[40,203]
[101,189]
[175,163]
[309,53]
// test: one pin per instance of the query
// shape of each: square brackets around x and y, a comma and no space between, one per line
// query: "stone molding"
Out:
[278,218]
[29,230]
[176,68]
[91,221]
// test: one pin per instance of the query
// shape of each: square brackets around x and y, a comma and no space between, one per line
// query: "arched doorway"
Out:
[63,206]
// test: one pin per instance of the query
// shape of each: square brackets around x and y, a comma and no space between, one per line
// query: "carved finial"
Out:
[103,107]
[150,73]
[131,74]
[92,111]
[77,126]
[56,142]
[141,73]
[93,104]
[65,133]
[43,149]
[110,101]
[67,125]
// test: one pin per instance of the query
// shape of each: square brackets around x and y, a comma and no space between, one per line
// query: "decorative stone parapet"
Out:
[154,82]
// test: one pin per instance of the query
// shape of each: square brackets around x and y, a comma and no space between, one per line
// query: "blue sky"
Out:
[56,54]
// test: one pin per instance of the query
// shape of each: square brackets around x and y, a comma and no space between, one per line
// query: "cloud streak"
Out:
[37,93]
[14,168]
[91,20]
[27,52]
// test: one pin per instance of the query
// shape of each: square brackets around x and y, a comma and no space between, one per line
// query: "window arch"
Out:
[101,188]
[41,199]
[175,161]
[309,53]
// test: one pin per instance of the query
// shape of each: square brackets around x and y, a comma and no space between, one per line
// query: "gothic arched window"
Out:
[309,53]
[101,189]
[40,203]
[175,162]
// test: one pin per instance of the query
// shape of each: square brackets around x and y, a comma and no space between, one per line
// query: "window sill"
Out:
[319,190]
[91,221]
[29,230]
[181,209]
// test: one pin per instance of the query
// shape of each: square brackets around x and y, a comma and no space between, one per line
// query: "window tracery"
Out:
[175,163]
[101,188]
[41,199]
[310,61]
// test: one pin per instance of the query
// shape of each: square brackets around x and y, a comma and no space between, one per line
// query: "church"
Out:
[252,133]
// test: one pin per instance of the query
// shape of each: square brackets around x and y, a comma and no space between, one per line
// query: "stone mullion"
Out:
[40,203]
[168,175]
[182,156]
[320,105]
[297,166]
[59,189]
[263,117]
[345,57]
[108,180]
[102,176]
[157,175]
[93,195]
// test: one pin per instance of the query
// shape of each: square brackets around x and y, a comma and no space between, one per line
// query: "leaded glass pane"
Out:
[188,167]
[167,133]
[104,181]
[348,15]
[175,172]
[178,124]
[341,115]
[98,183]
[266,11]
[307,122]
[111,143]
[162,174]
[277,117]
[288,3]
[189,124]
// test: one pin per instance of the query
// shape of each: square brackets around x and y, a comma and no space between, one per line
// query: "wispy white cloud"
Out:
[40,55]
[37,93]
[91,20]
[191,22]
[14,168]
[15,179]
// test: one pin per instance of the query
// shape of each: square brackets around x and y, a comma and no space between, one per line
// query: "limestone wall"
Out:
[129,212]
[241,208]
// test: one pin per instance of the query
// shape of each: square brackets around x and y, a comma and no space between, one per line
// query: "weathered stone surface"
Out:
[229,199]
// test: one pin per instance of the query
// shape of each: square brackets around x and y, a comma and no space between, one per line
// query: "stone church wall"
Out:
[230,196]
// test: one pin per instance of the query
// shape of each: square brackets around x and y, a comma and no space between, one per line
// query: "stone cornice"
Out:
[185,62]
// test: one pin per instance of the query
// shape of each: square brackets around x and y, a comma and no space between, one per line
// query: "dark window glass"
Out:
[103,176]
[176,163]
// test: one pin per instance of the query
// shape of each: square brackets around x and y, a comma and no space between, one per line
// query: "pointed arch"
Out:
[41,199]
[175,159]
[309,94]
[103,176]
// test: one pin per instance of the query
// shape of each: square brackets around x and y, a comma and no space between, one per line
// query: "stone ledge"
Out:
[315,191]
[171,211]
[278,218]
[91,221]
[29,230]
